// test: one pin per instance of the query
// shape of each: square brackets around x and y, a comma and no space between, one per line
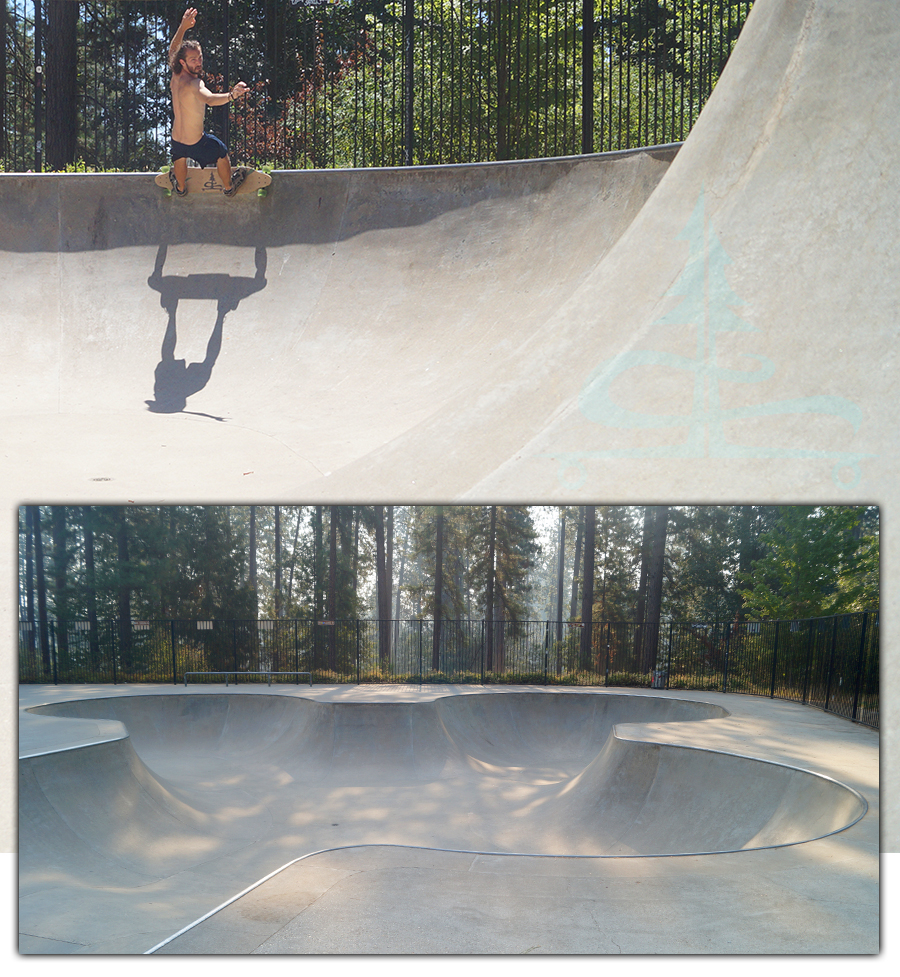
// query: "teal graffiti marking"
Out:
[706,303]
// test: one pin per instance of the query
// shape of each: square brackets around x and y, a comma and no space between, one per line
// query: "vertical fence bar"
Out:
[669,653]
[774,660]
[547,653]
[172,648]
[114,639]
[809,646]
[727,650]
[859,664]
[830,664]
[482,652]
[53,660]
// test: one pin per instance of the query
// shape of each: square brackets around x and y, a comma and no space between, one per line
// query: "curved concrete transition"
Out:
[707,320]
[211,790]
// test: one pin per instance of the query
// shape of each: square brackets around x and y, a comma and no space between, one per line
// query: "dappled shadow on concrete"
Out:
[175,380]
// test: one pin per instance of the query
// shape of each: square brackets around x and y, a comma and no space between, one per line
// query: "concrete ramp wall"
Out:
[527,772]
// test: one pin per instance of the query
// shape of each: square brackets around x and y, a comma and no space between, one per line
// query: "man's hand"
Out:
[187,22]
[239,90]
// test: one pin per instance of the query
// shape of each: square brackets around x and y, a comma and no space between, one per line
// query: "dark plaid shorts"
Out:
[207,152]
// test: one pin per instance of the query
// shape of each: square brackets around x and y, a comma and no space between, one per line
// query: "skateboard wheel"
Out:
[261,192]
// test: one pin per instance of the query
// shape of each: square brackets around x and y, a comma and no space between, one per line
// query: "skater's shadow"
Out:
[176,380]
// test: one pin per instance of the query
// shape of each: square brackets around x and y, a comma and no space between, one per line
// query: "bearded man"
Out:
[190,96]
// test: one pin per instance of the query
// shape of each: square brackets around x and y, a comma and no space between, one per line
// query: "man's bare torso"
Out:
[189,108]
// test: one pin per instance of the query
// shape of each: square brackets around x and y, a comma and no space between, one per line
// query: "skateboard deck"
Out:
[207,181]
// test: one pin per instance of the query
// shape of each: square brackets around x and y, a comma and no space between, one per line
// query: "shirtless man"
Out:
[190,96]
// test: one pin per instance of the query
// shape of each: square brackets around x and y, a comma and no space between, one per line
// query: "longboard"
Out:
[207,181]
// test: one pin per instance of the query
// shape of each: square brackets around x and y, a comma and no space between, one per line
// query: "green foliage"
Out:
[818,561]
[82,166]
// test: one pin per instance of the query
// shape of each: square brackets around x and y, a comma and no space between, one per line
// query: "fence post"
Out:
[53,660]
[547,652]
[357,651]
[830,663]
[606,665]
[669,653]
[587,76]
[114,634]
[727,650]
[174,659]
[808,661]
[774,659]
[859,662]
[420,651]
[482,651]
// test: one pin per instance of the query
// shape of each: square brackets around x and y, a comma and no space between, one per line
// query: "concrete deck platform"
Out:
[390,819]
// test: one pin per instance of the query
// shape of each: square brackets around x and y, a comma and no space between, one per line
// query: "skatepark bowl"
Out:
[456,819]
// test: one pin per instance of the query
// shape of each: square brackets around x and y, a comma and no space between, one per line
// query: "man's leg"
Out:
[179,168]
[223,168]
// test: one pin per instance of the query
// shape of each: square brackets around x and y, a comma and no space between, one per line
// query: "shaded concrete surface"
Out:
[343,309]
[144,808]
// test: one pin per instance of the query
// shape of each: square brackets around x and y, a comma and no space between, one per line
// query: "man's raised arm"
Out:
[187,22]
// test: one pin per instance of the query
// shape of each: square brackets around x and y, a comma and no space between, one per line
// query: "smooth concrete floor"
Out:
[816,897]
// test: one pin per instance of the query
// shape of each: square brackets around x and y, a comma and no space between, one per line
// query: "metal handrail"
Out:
[236,671]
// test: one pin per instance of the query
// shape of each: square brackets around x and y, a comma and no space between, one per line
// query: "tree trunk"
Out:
[576,566]
[124,590]
[400,580]
[640,613]
[389,568]
[61,82]
[560,573]
[317,561]
[587,590]
[279,606]
[290,587]
[654,586]
[91,584]
[382,594]
[253,582]
[332,588]
[489,601]
[749,549]
[43,624]
[438,589]
[502,28]
[356,555]
[29,585]
[60,580]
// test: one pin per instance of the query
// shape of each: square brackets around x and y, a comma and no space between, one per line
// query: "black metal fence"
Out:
[827,662]
[361,82]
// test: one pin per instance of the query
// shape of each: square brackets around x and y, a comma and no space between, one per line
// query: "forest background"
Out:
[509,562]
